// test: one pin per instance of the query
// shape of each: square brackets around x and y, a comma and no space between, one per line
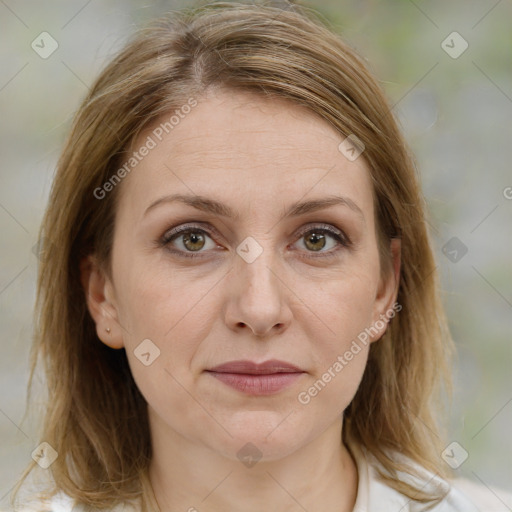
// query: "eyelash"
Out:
[339,236]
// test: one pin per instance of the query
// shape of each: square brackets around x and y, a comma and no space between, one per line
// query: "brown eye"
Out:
[187,240]
[193,240]
[315,241]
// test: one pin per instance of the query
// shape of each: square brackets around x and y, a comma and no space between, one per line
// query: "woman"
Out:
[240,308]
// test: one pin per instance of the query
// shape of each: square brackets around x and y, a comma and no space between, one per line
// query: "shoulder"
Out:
[61,502]
[376,494]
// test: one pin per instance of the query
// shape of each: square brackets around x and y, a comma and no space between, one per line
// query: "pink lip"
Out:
[249,367]
[257,379]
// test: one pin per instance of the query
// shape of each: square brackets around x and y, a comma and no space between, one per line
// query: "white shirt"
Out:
[372,494]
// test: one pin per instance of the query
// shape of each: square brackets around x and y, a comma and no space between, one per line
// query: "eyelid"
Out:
[325,227]
[199,226]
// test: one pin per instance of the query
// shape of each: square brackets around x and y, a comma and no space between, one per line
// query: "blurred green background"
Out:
[456,115]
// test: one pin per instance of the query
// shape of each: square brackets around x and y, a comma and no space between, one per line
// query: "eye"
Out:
[189,239]
[316,238]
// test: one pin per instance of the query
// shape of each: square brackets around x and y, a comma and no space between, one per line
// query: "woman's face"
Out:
[254,275]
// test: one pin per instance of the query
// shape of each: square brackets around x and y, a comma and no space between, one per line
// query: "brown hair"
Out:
[96,418]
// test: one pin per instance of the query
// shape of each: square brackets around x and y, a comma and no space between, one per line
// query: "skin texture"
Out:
[257,156]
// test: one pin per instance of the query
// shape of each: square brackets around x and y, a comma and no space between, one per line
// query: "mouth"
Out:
[263,384]
[256,379]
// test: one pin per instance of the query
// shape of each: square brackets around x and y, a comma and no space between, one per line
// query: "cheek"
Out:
[339,328]
[331,391]
[343,306]
[154,300]
[162,308]
[172,309]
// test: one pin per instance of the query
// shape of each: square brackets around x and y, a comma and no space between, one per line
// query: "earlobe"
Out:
[99,297]
[387,294]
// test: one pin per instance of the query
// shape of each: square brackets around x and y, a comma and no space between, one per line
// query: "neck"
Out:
[319,476]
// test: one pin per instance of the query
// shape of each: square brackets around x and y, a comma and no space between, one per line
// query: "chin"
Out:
[260,436]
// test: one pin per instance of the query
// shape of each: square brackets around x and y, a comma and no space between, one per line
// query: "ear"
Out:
[100,297]
[385,306]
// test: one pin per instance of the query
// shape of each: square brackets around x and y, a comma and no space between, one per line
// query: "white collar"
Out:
[375,495]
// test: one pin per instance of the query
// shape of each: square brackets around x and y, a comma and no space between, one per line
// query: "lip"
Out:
[256,379]
[251,368]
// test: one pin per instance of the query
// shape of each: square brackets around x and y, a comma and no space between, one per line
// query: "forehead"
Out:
[243,146]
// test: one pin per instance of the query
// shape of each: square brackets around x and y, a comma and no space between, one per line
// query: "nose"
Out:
[257,296]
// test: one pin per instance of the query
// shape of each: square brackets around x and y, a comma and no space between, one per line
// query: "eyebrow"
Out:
[209,205]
